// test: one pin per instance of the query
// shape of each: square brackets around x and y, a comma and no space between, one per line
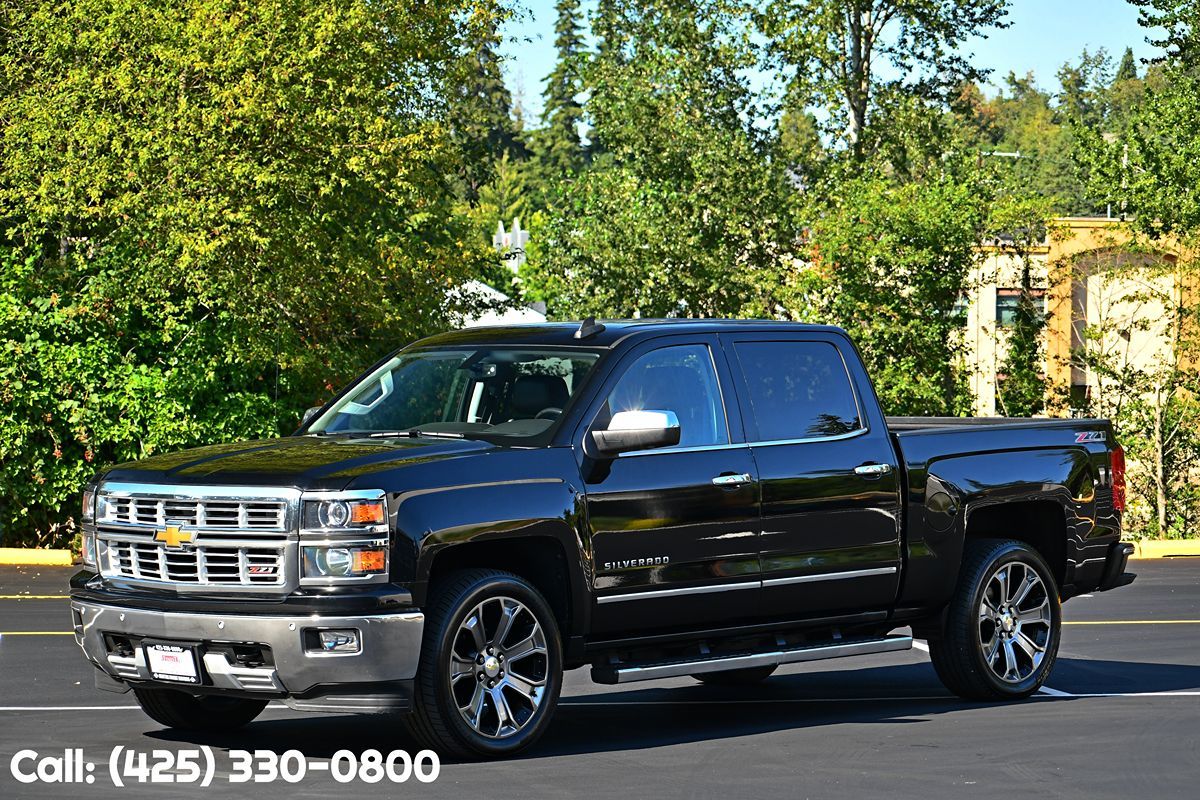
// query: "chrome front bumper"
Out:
[390,649]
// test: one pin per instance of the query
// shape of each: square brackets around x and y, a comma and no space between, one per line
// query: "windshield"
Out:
[470,392]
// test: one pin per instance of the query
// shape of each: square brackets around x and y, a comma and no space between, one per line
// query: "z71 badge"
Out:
[1084,437]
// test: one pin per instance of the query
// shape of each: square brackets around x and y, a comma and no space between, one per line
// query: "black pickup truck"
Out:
[487,508]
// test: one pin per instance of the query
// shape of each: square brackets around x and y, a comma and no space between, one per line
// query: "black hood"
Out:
[303,462]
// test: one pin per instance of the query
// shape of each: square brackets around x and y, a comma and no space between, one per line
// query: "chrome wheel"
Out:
[499,667]
[1015,622]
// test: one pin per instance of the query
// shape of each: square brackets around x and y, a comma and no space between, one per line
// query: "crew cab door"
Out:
[830,537]
[673,529]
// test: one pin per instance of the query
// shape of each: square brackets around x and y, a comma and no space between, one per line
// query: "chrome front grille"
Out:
[208,565]
[198,538]
[270,515]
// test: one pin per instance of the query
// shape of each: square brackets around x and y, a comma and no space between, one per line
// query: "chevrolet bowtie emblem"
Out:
[173,536]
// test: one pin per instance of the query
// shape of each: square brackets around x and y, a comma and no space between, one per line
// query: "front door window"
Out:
[679,379]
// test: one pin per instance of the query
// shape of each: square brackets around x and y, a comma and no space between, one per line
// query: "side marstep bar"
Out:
[620,673]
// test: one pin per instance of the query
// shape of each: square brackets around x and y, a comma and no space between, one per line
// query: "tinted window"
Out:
[484,392]
[679,379]
[798,390]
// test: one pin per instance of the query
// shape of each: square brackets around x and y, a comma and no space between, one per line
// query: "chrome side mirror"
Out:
[309,414]
[637,430]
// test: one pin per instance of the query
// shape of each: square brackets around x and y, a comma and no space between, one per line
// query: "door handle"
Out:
[731,481]
[873,470]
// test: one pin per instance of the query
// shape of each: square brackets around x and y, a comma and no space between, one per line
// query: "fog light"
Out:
[338,641]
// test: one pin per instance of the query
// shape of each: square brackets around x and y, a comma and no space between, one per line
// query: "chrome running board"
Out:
[622,673]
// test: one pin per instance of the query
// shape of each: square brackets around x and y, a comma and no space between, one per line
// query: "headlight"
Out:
[344,562]
[342,514]
[88,512]
[344,538]
[87,516]
[333,513]
[88,545]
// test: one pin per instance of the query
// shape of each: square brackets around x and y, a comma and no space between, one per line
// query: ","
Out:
[487,508]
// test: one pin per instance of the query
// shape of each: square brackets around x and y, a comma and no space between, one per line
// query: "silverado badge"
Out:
[174,537]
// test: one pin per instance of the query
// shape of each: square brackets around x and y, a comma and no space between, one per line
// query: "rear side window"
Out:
[798,390]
